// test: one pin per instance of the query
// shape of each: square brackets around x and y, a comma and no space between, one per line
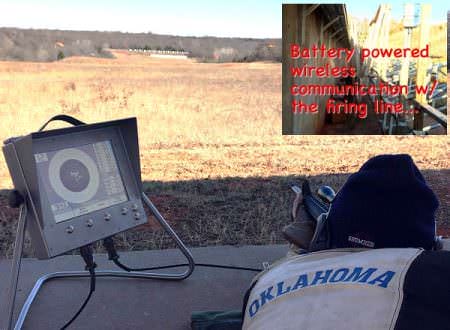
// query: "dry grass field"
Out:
[212,153]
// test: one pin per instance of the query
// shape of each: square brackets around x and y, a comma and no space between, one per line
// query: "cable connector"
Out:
[88,257]
[108,243]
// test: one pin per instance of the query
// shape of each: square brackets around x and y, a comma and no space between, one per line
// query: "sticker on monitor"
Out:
[80,180]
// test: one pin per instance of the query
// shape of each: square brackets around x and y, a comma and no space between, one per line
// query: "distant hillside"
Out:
[51,45]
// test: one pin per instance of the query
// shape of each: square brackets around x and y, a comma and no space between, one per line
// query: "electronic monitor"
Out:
[81,183]
[80,180]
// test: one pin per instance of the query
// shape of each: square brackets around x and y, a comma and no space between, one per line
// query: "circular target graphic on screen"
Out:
[73,175]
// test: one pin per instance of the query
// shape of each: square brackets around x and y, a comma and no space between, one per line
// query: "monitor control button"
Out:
[107,216]
[89,222]
[70,229]
[124,210]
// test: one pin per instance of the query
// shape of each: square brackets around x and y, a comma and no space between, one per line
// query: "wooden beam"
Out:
[424,39]
[326,26]
[432,112]
[310,9]
[306,12]
[336,32]
[340,38]
[422,63]
[404,70]
[290,22]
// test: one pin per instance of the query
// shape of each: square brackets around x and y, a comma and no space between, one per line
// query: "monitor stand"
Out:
[17,258]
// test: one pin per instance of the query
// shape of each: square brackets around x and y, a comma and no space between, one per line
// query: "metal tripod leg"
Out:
[15,268]
[174,236]
[108,273]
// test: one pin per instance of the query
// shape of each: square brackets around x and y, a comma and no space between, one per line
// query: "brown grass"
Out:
[211,149]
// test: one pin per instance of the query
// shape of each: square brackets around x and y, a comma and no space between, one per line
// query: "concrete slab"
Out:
[132,303]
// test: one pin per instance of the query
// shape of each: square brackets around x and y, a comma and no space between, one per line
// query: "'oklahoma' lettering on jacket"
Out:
[357,275]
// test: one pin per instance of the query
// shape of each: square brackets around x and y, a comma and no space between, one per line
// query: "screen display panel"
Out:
[80,180]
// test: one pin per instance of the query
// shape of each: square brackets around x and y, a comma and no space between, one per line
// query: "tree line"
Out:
[51,45]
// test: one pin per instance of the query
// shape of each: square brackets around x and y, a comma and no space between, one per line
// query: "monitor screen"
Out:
[80,180]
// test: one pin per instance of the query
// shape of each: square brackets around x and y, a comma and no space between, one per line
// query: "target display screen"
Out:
[81,179]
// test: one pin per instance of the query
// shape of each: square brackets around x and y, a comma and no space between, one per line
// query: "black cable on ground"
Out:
[129,269]
[86,253]
[108,243]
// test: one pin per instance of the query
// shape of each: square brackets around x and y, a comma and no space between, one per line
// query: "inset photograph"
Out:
[364,69]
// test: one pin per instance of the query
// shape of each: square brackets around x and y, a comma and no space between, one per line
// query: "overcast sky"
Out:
[226,18]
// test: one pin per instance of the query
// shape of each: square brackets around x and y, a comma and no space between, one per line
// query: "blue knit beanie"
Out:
[387,203]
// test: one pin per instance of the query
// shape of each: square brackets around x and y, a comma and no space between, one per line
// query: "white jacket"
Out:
[353,289]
